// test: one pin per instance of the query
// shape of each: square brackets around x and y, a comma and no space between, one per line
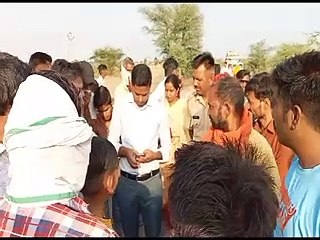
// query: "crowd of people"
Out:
[237,157]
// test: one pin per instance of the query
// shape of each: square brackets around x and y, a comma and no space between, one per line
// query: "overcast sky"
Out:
[29,27]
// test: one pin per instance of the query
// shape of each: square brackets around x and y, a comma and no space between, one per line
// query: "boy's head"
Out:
[103,103]
[103,170]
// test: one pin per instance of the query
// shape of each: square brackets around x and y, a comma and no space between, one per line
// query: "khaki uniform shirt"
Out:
[199,117]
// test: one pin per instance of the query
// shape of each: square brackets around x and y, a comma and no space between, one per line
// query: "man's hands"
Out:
[147,156]
[134,158]
[131,155]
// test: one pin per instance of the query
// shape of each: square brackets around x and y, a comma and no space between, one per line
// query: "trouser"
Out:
[139,197]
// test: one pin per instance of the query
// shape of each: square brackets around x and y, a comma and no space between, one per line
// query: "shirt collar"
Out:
[78,205]
[150,102]
[269,128]
[200,99]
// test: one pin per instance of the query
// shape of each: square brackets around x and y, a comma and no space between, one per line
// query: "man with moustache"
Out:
[231,121]
[203,78]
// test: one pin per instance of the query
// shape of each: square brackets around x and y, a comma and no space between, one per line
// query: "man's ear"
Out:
[226,109]
[110,181]
[266,103]
[294,116]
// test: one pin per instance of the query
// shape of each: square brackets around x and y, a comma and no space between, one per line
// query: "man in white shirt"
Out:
[103,72]
[140,122]
[170,66]
[12,72]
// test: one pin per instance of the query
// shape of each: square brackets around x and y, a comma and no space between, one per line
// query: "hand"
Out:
[132,158]
[147,157]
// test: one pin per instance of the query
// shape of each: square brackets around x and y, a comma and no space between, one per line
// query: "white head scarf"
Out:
[48,144]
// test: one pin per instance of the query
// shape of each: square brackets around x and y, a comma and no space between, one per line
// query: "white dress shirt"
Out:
[160,92]
[140,128]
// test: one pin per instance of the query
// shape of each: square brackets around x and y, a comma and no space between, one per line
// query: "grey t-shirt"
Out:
[4,167]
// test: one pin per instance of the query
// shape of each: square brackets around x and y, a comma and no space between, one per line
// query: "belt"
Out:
[143,177]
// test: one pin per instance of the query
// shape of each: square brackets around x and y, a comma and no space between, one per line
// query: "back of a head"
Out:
[141,75]
[169,65]
[296,81]
[205,59]
[260,85]
[103,158]
[229,89]
[101,96]
[39,58]
[59,138]
[87,73]
[69,70]
[241,73]
[12,72]
[220,191]
[66,85]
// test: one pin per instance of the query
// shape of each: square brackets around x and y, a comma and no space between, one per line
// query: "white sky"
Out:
[29,27]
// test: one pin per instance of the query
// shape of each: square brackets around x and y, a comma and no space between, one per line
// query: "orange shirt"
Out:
[282,154]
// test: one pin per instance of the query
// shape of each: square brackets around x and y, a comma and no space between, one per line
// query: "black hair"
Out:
[169,65]
[220,191]
[141,75]
[260,85]
[39,58]
[69,70]
[297,82]
[12,72]
[101,96]
[229,89]
[102,67]
[174,80]
[241,73]
[204,58]
[103,157]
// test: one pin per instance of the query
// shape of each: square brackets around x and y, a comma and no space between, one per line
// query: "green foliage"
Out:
[287,50]
[265,58]
[109,56]
[258,57]
[177,31]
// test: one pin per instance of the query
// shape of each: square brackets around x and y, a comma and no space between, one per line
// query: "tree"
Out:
[109,56]
[258,57]
[177,31]
[287,50]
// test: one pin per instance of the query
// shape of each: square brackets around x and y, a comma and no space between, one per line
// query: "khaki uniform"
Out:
[199,117]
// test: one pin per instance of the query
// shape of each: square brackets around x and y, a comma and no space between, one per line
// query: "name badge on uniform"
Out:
[195,117]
